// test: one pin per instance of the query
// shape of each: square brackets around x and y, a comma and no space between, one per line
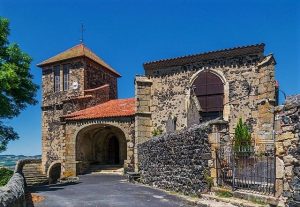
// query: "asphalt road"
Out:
[104,191]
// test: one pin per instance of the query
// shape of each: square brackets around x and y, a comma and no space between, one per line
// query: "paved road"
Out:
[105,191]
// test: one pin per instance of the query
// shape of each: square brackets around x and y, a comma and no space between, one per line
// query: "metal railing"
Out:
[246,168]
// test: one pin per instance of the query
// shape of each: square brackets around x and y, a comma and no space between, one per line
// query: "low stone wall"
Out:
[13,193]
[20,164]
[288,150]
[177,161]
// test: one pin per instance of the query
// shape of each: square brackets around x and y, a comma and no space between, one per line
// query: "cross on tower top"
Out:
[82,30]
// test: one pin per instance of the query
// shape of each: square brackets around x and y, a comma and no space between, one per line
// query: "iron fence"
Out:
[246,168]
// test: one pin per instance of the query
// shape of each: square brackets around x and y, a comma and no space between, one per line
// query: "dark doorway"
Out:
[54,173]
[209,90]
[113,151]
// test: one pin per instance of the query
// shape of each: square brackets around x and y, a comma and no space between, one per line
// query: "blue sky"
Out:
[128,33]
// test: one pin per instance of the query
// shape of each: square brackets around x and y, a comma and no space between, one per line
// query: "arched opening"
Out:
[54,173]
[98,146]
[209,90]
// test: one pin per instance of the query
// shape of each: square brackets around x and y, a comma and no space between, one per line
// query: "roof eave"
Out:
[42,64]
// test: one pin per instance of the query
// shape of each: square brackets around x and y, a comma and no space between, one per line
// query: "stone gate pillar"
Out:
[219,133]
[143,122]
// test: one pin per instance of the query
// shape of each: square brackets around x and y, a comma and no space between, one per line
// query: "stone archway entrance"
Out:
[100,145]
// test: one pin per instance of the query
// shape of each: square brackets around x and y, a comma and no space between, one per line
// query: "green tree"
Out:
[16,86]
[242,137]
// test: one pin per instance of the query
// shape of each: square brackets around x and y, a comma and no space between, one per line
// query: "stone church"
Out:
[84,124]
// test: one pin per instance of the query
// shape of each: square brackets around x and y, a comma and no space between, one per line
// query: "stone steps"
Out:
[106,169]
[240,198]
[33,175]
[232,200]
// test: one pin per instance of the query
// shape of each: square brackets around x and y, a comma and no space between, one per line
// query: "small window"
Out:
[66,71]
[56,78]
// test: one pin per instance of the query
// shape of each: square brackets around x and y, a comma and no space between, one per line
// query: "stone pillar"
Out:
[219,134]
[69,152]
[287,142]
[266,100]
[143,122]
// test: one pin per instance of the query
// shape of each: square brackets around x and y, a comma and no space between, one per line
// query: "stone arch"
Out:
[192,105]
[92,147]
[54,172]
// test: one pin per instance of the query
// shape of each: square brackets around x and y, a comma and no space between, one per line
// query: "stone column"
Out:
[143,122]
[219,133]
[69,152]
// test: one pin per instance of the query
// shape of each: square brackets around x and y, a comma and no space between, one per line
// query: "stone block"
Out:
[289,160]
[288,171]
[287,143]
[279,168]
[213,172]
[279,148]
[278,187]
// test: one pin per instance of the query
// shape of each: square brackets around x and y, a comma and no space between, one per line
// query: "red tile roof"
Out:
[79,50]
[112,108]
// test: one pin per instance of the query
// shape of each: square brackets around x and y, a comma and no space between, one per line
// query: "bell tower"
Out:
[71,80]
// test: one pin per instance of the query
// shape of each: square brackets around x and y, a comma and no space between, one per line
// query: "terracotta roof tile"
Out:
[112,108]
[79,50]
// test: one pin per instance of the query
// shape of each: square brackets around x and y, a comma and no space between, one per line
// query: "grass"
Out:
[257,201]
[5,175]
[224,194]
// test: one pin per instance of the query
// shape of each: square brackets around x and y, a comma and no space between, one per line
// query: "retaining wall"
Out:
[177,161]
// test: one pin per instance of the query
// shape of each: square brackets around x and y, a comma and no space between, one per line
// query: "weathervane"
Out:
[82,30]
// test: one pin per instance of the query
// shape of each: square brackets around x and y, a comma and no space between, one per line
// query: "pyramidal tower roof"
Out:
[79,50]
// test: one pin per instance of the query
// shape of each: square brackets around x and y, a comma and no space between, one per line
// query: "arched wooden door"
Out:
[209,90]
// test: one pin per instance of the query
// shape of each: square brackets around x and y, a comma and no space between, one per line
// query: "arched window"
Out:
[209,90]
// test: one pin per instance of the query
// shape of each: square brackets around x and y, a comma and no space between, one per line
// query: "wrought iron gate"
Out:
[249,168]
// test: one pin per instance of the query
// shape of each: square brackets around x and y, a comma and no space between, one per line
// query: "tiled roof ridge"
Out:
[79,50]
[85,112]
[205,53]
[60,53]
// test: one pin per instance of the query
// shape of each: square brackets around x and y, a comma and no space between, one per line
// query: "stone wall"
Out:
[249,88]
[52,108]
[90,76]
[96,75]
[177,161]
[13,193]
[288,150]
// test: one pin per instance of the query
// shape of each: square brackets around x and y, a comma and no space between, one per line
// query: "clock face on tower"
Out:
[75,85]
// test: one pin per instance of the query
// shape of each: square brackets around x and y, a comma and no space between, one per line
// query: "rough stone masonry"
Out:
[177,161]
[288,150]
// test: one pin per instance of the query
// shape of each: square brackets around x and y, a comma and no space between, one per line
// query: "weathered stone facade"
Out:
[165,99]
[89,82]
[177,161]
[249,89]
[288,150]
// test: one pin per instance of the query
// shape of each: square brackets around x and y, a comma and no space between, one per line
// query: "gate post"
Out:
[219,133]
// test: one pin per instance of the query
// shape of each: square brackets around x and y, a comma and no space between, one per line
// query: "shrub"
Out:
[242,138]
[5,175]
[157,132]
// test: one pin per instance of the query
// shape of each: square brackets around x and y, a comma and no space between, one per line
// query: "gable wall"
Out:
[171,93]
